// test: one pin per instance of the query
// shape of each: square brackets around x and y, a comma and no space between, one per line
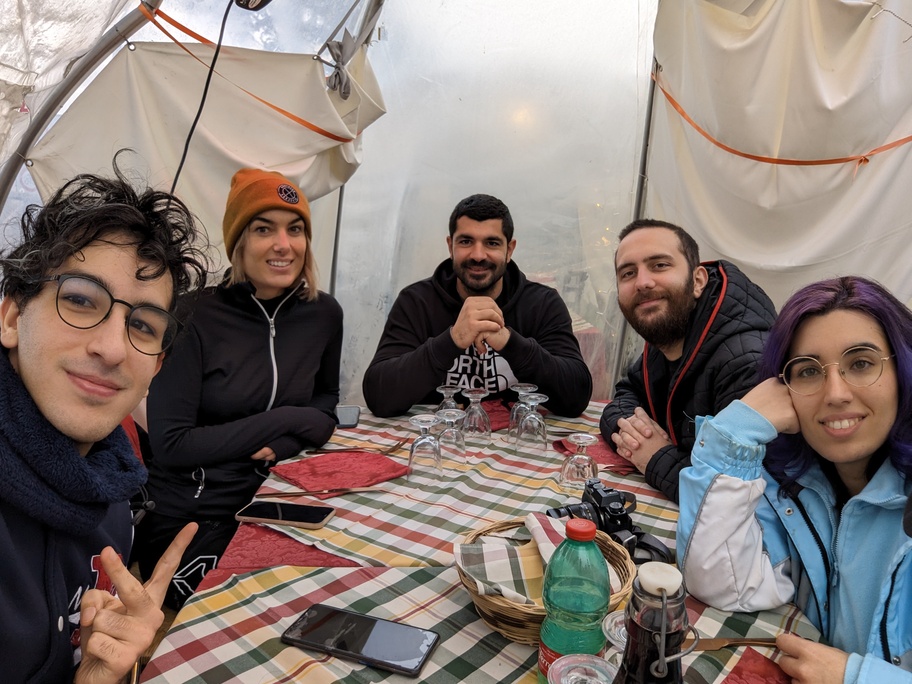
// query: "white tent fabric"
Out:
[146,98]
[788,80]
[40,41]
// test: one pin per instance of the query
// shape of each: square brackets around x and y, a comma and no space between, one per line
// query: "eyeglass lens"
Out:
[861,367]
[84,303]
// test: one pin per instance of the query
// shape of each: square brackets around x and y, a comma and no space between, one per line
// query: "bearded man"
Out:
[477,323]
[704,327]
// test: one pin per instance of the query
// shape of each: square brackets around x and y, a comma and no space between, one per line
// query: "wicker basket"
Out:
[522,622]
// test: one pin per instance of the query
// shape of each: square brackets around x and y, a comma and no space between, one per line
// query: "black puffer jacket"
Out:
[727,330]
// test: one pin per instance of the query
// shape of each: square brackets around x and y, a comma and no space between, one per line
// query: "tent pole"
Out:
[335,259]
[367,22]
[617,368]
[110,40]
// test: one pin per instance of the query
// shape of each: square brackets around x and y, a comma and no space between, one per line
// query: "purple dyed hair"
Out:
[789,456]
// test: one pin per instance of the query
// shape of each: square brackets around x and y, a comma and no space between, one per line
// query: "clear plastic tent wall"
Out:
[543,106]
[540,104]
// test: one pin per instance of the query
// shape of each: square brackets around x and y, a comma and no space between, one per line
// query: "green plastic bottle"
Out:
[576,594]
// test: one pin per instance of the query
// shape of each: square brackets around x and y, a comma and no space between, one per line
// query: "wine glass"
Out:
[424,454]
[448,391]
[452,441]
[520,408]
[476,426]
[579,466]
[532,433]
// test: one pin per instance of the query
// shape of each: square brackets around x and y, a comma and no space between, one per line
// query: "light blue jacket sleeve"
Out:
[870,669]
[720,539]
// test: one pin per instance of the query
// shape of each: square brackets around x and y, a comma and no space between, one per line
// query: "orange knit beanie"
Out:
[254,191]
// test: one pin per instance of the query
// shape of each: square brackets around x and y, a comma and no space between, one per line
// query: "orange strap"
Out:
[152,18]
[859,159]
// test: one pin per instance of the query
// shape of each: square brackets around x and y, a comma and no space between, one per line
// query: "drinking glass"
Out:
[532,433]
[424,454]
[582,669]
[520,408]
[452,441]
[579,466]
[476,426]
[448,391]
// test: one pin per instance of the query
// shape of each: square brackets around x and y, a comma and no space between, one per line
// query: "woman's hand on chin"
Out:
[772,400]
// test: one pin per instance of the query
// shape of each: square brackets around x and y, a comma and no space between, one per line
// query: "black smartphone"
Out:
[348,415]
[369,640]
[280,513]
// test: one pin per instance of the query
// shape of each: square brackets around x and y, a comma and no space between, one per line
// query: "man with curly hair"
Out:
[89,306]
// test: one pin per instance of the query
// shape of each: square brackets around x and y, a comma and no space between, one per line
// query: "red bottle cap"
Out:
[580,529]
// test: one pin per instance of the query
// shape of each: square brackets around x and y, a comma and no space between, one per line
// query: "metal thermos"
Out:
[656,621]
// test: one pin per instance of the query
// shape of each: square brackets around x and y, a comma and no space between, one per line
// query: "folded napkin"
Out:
[601,453]
[337,471]
[514,566]
[754,668]
[498,413]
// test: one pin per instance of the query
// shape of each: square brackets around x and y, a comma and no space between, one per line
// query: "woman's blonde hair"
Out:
[309,275]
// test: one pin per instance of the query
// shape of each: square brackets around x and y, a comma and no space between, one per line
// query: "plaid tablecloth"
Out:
[414,523]
[231,633]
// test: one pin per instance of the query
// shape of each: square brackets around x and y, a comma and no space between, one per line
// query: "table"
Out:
[402,540]
[231,632]
[415,524]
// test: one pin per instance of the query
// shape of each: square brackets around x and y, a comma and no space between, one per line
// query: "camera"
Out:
[608,508]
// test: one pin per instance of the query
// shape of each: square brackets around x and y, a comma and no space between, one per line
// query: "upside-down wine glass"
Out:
[448,391]
[476,426]
[532,433]
[520,408]
[452,441]
[424,454]
[579,466]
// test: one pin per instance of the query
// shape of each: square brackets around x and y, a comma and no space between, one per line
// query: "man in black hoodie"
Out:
[477,323]
[89,310]
[704,326]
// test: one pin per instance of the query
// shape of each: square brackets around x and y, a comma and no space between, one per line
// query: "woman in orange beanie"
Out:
[255,381]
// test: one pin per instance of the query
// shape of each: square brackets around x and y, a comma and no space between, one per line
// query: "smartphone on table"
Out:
[348,415]
[375,642]
[281,513]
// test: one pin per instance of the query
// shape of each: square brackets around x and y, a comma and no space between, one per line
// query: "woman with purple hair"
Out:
[796,492]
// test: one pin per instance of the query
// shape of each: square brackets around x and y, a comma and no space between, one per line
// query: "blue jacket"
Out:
[744,545]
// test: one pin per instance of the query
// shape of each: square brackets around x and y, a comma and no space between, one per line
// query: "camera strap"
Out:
[649,548]
[642,546]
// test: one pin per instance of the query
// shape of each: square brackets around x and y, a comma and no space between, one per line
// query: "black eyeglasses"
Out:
[859,366]
[84,303]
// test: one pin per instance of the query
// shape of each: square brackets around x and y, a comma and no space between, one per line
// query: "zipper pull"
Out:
[201,479]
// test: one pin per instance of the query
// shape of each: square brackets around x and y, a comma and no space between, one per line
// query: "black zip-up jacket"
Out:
[723,343]
[237,381]
[416,353]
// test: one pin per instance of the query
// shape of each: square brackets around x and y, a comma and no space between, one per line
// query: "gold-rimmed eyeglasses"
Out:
[859,366]
[84,303]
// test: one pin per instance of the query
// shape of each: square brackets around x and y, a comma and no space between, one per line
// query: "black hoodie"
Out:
[719,364]
[416,352]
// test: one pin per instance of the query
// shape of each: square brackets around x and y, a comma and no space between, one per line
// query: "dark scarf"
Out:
[43,475]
